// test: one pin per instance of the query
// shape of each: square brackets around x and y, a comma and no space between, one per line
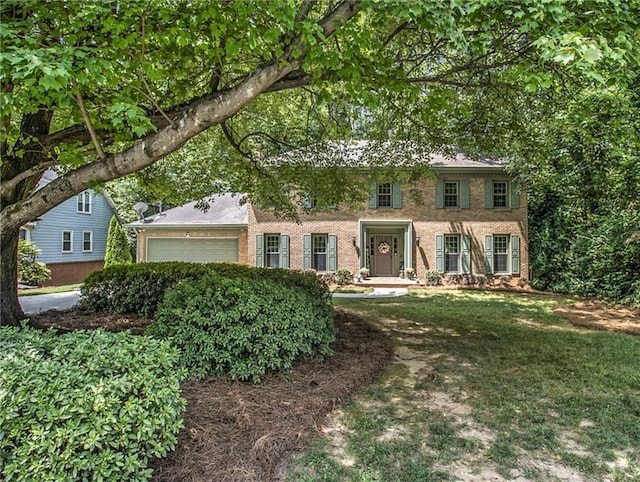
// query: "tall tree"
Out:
[104,89]
[117,251]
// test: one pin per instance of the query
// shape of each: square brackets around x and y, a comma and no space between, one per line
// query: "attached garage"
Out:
[197,250]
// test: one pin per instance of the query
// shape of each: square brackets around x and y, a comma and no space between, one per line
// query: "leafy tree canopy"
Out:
[104,89]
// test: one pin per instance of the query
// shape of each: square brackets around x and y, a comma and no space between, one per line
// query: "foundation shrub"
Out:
[88,405]
[242,327]
[433,278]
[343,277]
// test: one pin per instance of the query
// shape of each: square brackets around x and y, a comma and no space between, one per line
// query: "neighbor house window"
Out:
[87,241]
[384,195]
[500,253]
[451,253]
[451,195]
[273,250]
[319,249]
[84,202]
[67,241]
[500,194]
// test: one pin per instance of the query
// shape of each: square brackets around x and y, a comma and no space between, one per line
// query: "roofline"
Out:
[135,225]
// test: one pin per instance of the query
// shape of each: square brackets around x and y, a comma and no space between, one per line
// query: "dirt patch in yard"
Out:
[240,431]
[598,316]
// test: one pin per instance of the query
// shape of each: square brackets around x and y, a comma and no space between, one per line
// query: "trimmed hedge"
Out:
[89,405]
[242,327]
[140,288]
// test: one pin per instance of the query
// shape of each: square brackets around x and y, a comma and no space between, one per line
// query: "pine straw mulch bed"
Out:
[240,431]
[596,315]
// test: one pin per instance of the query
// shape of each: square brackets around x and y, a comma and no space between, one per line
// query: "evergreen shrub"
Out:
[343,276]
[88,405]
[30,271]
[433,278]
[243,327]
[117,251]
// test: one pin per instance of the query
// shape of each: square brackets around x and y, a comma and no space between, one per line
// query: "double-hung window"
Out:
[67,241]
[384,195]
[319,249]
[500,253]
[84,202]
[273,250]
[87,241]
[500,194]
[451,194]
[451,253]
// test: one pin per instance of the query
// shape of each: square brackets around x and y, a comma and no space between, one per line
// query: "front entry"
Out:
[383,255]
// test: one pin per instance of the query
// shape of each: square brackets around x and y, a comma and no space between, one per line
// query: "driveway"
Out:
[54,301]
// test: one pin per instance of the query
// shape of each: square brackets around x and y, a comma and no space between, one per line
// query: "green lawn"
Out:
[48,290]
[486,386]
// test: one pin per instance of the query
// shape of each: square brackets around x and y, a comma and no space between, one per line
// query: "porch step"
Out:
[379,282]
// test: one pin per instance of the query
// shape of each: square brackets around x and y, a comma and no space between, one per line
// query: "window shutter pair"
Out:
[465,253]
[515,254]
[396,195]
[465,194]
[284,251]
[514,195]
[332,252]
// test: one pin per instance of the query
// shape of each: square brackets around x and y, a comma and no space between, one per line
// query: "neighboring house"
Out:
[72,236]
[472,220]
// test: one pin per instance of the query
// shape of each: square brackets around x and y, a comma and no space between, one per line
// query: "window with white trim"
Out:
[319,252]
[451,253]
[451,194]
[500,194]
[67,241]
[87,241]
[385,197]
[500,253]
[84,202]
[273,250]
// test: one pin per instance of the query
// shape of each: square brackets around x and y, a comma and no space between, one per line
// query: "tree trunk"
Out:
[10,310]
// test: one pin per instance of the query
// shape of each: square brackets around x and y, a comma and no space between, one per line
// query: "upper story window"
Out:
[451,195]
[84,202]
[384,195]
[67,241]
[500,194]
[273,250]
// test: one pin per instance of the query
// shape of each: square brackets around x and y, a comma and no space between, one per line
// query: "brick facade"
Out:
[71,273]
[424,218]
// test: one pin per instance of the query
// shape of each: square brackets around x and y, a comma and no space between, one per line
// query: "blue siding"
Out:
[47,235]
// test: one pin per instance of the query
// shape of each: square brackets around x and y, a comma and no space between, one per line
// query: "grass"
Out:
[48,290]
[487,385]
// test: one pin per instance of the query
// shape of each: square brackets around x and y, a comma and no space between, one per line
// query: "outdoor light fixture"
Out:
[353,240]
[417,240]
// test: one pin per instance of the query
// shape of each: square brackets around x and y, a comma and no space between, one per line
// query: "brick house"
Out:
[470,220]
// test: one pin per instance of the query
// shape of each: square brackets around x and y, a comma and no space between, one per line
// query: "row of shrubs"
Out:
[93,405]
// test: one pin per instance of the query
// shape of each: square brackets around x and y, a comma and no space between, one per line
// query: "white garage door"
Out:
[197,250]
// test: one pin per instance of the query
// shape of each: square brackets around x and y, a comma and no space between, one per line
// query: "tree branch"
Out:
[87,120]
[6,187]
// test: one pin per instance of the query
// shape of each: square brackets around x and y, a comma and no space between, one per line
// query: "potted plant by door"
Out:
[364,273]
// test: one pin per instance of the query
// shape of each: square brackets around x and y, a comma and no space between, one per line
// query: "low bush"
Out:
[242,327]
[433,278]
[343,277]
[30,271]
[85,405]
[139,288]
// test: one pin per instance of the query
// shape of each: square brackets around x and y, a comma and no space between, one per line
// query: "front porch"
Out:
[387,282]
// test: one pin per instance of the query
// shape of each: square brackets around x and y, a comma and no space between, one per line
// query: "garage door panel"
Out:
[196,250]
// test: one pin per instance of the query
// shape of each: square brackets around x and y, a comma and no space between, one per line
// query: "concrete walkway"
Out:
[377,293]
[54,301]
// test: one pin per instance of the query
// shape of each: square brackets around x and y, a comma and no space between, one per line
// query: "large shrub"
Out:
[242,327]
[30,271]
[140,288]
[86,405]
